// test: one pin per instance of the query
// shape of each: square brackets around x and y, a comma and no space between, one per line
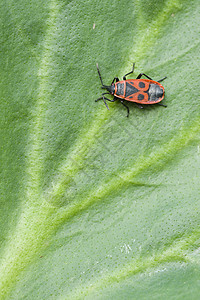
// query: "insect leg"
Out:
[104,99]
[100,98]
[122,102]
[162,79]
[142,74]
[116,78]
[113,100]
[162,104]
[124,77]
[139,105]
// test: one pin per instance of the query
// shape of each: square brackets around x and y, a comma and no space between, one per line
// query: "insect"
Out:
[140,91]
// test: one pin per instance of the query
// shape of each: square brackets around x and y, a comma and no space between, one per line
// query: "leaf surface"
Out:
[94,204]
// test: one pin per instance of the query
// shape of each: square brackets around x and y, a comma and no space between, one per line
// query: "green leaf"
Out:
[96,205]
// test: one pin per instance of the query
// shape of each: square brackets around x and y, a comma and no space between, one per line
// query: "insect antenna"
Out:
[99,75]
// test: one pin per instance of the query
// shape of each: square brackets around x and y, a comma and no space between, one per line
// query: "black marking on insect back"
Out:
[120,89]
[130,89]
[141,84]
[140,97]
[155,92]
[159,92]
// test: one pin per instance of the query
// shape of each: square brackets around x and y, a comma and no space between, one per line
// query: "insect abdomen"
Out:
[155,92]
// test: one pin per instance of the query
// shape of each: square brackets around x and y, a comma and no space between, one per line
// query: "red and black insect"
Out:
[140,91]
